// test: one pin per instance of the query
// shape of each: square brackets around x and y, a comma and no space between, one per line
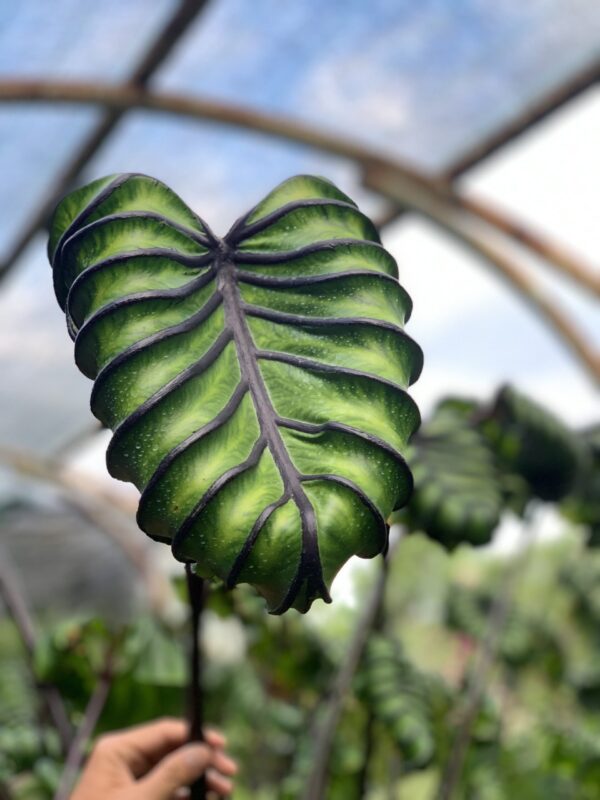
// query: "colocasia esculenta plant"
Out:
[256,383]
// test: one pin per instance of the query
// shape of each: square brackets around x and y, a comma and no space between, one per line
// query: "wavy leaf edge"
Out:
[226,264]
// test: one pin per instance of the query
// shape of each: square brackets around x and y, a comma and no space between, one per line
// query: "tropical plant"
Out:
[533,734]
[255,384]
[401,698]
[457,497]
[256,387]
[582,504]
[533,443]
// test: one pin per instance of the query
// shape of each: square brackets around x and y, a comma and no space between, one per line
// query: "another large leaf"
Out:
[457,496]
[582,505]
[255,384]
[531,442]
[400,698]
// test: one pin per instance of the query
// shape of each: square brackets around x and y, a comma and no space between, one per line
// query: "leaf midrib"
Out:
[310,562]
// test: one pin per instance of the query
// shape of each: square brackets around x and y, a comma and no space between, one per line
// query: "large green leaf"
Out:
[582,505]
[457,497]
[400,698]
[256,384]
[534,444]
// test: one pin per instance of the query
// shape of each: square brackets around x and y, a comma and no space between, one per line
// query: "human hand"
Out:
[154,762]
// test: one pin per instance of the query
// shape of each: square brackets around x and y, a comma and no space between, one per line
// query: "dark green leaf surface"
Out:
[523,639]
[399,698]
[582,505]
[534,444]
[255,384]
[457,496]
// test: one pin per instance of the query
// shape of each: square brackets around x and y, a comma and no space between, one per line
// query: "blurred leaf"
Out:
[157,654]
[522,640]
[456,497]
[533,443]
[399,697]
[71,656]
[582,505]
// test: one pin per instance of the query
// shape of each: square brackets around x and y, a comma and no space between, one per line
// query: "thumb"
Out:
[178,769]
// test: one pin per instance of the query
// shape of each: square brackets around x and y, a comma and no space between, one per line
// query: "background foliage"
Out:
[481,677]
[497,650]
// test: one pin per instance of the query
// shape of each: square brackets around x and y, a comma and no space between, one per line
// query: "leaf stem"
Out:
[85,731]
[487,652]
[196,594]
[5,793]
[362,781]
[17,609]
[324,735]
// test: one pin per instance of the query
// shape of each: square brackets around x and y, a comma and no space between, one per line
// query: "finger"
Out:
[178,769]
[156,739]
[116,757]
[215,738]
[223,763]
[218,783]
[142,746]
[136,750]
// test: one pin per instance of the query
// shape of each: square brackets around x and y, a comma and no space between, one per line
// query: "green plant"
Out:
[457,497]
[400,698]
[255,384]
[582,505]
[301,285]
[533,443]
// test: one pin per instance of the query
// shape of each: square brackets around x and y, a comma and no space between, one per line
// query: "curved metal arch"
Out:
[468,221]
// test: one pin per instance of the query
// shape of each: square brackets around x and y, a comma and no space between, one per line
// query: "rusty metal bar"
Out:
[534,113]
[18,611]
[404,185]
